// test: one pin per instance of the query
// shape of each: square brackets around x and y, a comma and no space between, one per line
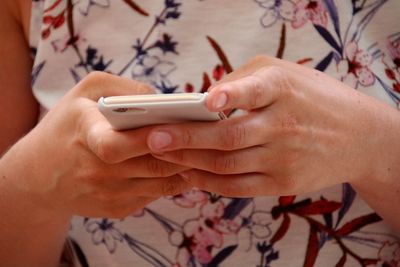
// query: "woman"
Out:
[301,132]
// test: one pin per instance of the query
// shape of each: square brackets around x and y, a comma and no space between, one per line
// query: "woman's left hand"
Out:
[303,131]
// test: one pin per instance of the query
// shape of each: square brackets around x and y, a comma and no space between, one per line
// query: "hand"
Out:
[303,131]
[75,163]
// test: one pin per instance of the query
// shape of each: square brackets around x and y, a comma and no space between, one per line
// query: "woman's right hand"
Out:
[73,162]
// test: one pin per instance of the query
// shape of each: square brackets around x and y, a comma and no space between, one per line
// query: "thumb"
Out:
[98,84]
[259,89]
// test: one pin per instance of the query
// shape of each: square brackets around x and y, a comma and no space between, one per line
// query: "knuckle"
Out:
[224,164]
[104,149]
[234,136]
[145,88]
[256,92]
[94,78]
[260,59]
[279,78]
[186,138]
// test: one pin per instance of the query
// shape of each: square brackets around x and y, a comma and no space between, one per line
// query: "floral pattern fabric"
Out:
[185,46]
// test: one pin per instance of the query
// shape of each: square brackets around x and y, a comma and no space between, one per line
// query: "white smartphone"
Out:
[134,111]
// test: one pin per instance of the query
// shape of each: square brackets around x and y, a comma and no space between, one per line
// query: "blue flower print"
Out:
[104,232]
[172,3]
[276,10]
[155,71]
[268,254]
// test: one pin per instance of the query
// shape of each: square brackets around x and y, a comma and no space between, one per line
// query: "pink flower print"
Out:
[213,210]
[202,238]
[389,254]
[275,10]
[204,233]
[355,68]
[202,254]
[190,198]
[313,11]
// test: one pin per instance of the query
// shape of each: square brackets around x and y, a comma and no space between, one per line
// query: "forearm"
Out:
[384,198]
[380,187]
[30,235]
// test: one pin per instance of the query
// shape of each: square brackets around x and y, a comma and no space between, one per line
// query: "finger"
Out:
[109,208]
[98,84]
[109,145]
[159,187]
[220,162]
[250,67]
[257,90]
[235,133]
[261,61]
[242,185]
[119,190]
[145,166]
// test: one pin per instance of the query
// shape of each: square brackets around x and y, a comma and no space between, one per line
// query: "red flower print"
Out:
[396,87]
[218,72]
[52,22]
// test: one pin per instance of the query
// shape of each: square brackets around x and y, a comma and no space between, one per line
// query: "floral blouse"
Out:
[185,46]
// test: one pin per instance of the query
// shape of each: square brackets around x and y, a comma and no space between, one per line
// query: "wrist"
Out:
[381,148]
[20,176]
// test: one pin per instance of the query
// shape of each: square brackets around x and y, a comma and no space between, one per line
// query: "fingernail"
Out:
[221,101]
[159,140]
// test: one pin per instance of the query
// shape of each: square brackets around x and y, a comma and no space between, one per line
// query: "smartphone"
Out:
[134,111]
